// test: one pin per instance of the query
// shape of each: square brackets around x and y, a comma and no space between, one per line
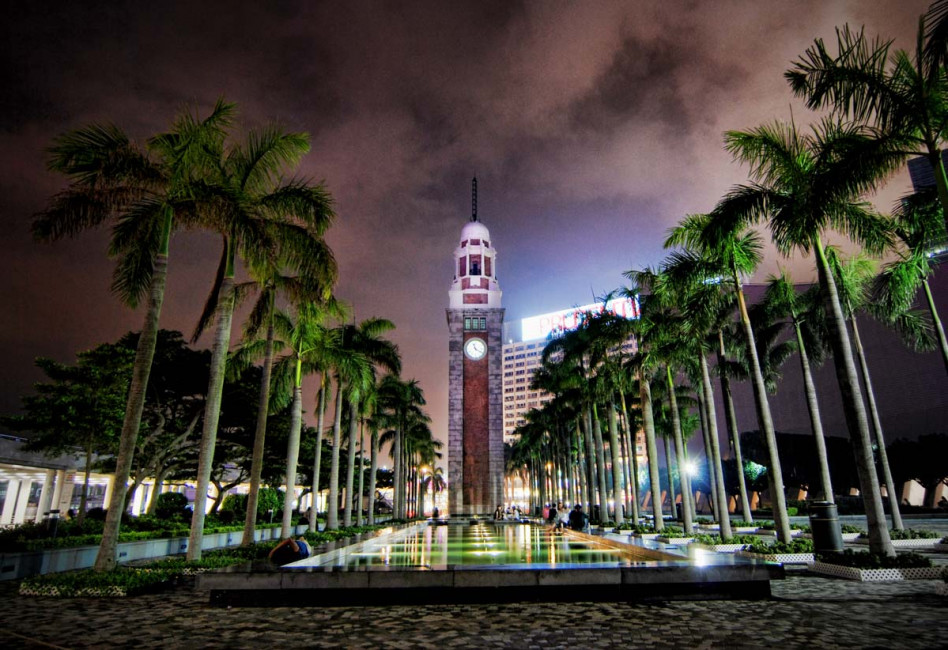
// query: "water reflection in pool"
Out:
[474,545]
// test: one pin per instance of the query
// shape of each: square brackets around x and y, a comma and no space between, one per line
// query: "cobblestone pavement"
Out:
[806,611]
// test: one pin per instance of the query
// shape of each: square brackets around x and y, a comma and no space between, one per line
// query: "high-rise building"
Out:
[523,352]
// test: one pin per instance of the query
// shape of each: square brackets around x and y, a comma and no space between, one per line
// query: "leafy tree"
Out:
[81,406]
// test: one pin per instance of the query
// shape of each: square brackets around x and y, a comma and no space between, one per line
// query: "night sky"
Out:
[592,128]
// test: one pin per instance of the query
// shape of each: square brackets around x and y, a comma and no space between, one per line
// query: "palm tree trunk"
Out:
[648,424]
[600,465]
[854,409]
[259,438]
[359,520]
[292,455]
[709,460]
[582,489]
[332,518]
[617,472]
[590,464]
[826,483]
[764,419]
[671,477]
[724,517]
[373,468]
[350,465]
[320,421]
[684,482]
[212,412]
[633,462]
[731,418]
[936,321]
[397,486]
[144,354]
[891,489]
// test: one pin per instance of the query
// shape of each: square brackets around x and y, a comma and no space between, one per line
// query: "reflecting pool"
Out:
[485,544]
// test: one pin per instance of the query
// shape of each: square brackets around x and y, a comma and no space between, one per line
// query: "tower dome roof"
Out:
[474,230]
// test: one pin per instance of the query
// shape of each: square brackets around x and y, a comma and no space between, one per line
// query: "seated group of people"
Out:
[562,517]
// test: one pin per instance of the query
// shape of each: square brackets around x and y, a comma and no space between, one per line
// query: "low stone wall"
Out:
[20,565]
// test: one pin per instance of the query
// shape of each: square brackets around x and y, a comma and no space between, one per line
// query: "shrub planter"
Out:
[905,543]
[782,558]
[744,530]
[877,575]
[111,591]
[674,541]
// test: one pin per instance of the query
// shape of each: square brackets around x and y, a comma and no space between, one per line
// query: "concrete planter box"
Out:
[941,547]
[877,575]
[674,541]
[941,589]
[743,530]
[782,558]
[905,543]
[847,537]
[21,565]
[651,536]
[723,548]
[773,533]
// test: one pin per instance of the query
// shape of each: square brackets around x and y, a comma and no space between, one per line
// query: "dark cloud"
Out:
[592,127]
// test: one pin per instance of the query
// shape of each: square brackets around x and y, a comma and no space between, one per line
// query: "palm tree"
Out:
[919,229]
[363,340]
[725,255]
[401,401]
[905,97]
[111,178]
[271,282]
[806,185]
[781,300]
[669,345]
[256,213]
[854,277]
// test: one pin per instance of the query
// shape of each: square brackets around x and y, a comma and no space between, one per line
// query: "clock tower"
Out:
[475,397]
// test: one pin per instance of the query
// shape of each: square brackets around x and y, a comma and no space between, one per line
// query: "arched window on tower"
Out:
[475,264]
[487,266]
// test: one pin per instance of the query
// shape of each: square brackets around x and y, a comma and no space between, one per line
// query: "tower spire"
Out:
[474,199]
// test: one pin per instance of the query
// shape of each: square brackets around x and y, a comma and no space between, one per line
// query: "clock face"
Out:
[475,349]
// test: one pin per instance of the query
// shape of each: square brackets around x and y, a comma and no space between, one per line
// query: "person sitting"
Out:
[553,512]
[289,550]
[499,513]
[563,517]
[577,518]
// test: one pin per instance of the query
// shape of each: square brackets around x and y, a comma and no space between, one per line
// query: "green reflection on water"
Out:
[482,545]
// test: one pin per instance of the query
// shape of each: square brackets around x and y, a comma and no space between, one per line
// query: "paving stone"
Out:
[806,611]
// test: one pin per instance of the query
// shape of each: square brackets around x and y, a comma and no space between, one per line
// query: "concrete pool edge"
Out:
[661,580]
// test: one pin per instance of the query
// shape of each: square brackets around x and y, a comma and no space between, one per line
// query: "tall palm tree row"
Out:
[258,215]
[145,193]
[805,185]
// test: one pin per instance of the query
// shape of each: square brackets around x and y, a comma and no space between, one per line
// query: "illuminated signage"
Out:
[555,323]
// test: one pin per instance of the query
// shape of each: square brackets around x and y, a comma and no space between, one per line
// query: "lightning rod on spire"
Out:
[474,199]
